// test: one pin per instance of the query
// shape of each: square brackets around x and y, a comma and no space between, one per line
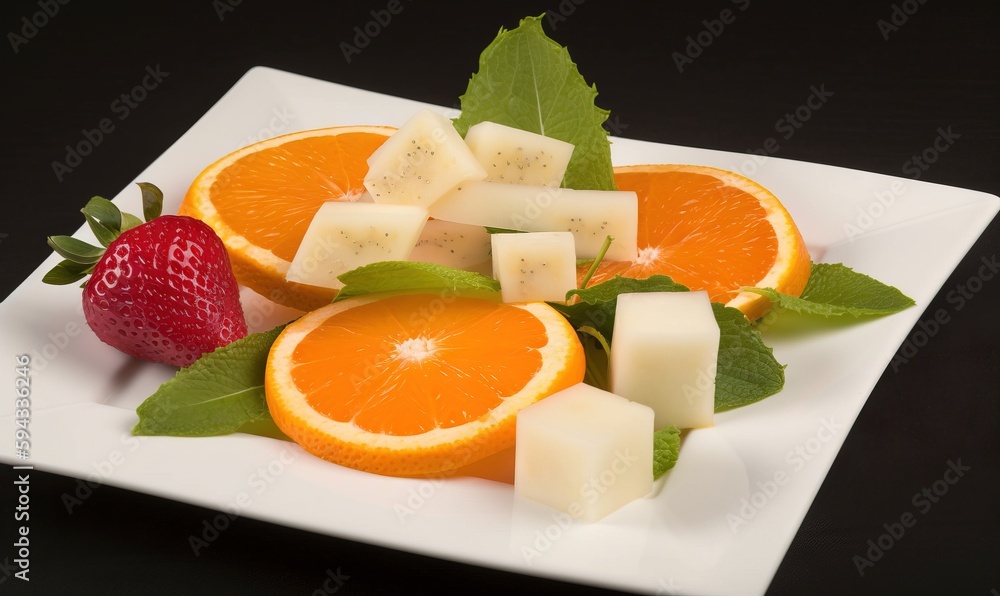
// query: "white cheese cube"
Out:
[534,266]
[343,236]
[584,451]
[590,215]
[454,245]
[664,353]
[518,156]
[422,160]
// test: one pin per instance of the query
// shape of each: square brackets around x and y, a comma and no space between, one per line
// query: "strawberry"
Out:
[162,290]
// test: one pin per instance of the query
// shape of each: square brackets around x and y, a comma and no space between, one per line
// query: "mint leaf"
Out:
[837,290]
[596,353]
[218,394]
[528,81]
[413,276]
[666,448]
[597,261]
[597,304]
[747,370]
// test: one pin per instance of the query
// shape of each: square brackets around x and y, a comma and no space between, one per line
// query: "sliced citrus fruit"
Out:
[261,198]
[712,230]
[416,384]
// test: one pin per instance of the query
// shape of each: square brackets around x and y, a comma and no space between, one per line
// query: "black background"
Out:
[938,69]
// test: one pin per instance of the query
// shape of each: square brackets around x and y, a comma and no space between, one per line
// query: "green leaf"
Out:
[130,221]
[623,285]
[67,272]
[401,277]
[492,230]
[264,427]
[597,354]
[105,219]
[597,261]
[597,304]
[747,370]
[666,448]
[75,250]
[152,200]
[218,394]
[836,290]
[528,81]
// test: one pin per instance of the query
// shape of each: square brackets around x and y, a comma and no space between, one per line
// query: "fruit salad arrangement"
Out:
[465,285]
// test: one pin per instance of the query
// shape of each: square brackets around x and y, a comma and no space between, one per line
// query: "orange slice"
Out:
[416,384]
[713,230]
[261,198]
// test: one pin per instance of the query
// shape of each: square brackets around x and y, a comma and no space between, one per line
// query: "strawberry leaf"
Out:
[75,250]
[107,222]
[67,272]
[152,200]
[105,219]
[130,221]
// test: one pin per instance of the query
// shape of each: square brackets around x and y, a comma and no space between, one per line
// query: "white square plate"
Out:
[719,523]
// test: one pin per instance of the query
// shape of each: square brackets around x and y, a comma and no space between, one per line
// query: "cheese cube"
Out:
[534,266]
[343,236]
[422,160]
[591,215]
[584,451]
[664,353]
[454,245]
[518,156]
